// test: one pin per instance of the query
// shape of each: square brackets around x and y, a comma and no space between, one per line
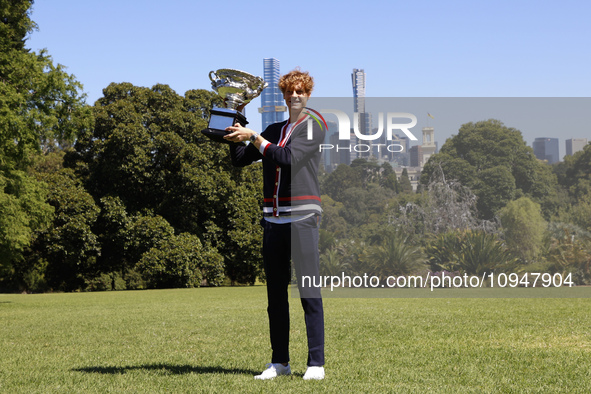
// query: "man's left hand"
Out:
[238,133]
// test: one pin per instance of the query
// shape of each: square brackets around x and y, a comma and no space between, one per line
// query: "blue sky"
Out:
[408,49]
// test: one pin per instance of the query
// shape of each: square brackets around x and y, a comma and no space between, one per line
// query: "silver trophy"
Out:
[236,88]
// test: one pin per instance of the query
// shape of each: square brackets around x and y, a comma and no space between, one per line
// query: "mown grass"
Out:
[215,340]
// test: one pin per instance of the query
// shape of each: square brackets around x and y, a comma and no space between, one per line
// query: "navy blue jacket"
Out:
[290,167]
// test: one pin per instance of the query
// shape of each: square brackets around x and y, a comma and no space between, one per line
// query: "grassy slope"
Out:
[215,340]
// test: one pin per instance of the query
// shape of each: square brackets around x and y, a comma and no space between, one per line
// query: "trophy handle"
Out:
[260,86]
[210,78]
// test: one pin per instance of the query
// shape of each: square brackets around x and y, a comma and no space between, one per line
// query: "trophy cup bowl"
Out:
[236,88]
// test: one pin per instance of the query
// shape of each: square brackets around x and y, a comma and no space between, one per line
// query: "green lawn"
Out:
[215,340]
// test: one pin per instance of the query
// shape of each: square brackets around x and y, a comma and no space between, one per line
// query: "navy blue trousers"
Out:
[296,242]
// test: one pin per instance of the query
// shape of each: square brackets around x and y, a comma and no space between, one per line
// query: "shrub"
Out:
[469,251]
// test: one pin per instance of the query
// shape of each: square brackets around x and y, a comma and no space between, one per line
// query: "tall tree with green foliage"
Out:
[342,178]
[405,184]
[574,175]
[524,227]
[41,106]
[496,164]
[69,246]
[577,173]
[388,178]
[23,212]
[147,152]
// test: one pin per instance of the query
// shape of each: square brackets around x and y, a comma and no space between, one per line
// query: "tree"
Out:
[15,24]
[181,261]
[394,255]
[405,184]
[569,252]
[524,227]
[23,213]
[388,178]
[576,173]
[332,264]
[113,227]
[342,178]
[69,245]
[446,205]
[359,205]
[496,187]
[368,170]
[147,151]
[578,213]
[332,221]
[473,252]
[41,106]
[496,164]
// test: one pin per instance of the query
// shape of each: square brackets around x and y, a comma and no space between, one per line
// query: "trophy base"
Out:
[218,136]
[220,119]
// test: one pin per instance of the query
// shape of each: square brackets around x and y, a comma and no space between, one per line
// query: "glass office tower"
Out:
[358,81]
[272,103]
[546,149]
[364,119]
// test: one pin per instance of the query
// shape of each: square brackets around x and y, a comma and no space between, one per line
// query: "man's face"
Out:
[295,97]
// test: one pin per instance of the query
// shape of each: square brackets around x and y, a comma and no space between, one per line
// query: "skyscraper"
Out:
[272,104]
[574,145]
[364,119]
[358,80]
[546,149]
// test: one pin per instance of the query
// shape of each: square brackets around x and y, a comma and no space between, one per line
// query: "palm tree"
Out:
[332,263]
[395,256]
[470,251]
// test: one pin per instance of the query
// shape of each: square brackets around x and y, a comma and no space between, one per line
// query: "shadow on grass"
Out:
[167,369]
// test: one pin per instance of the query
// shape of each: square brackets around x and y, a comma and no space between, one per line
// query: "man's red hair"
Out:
[294,78]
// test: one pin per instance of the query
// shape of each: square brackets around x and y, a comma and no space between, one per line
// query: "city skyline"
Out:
[534,117]
[416,49]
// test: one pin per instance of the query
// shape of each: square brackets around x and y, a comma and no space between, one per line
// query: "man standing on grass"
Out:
[290,154]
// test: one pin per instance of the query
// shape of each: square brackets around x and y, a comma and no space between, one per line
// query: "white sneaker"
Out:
[274,370]
[314,373]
